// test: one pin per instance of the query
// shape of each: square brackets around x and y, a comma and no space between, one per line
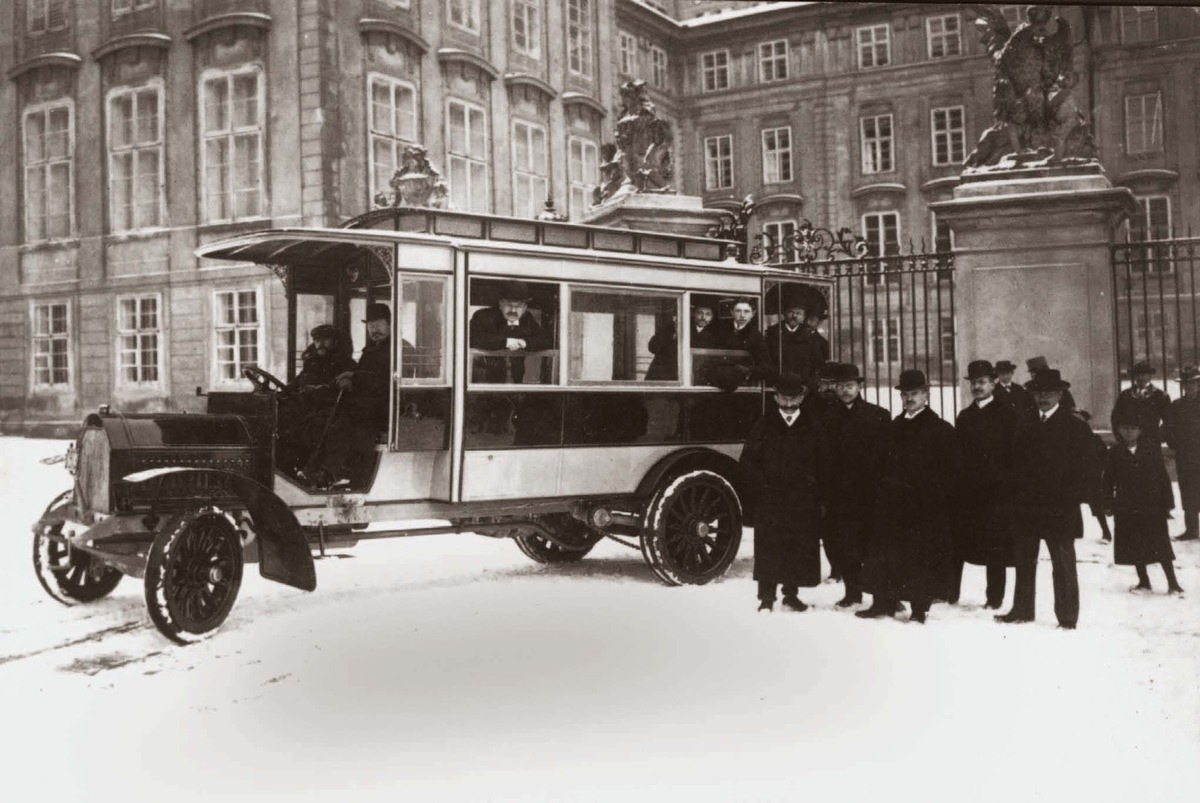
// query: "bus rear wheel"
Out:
[692,529]
[577,539]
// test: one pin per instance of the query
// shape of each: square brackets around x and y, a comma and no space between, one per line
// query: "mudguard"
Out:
[284,555]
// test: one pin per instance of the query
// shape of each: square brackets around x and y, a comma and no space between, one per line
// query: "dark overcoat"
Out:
[1148,407]
[910,547]
[1139,491]
[1183,436]
[748,339]
[786,466]
[982,528]
[370,383]
[1016,397]
[1052,466]
[321,369]
[797,352]
[858,446]
[489,331]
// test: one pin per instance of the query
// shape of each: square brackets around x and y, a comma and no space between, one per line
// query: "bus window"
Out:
[513,332]
[724,355]
[623,336]
[422,330]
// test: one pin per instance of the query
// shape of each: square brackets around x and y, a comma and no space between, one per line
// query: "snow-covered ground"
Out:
[452,668]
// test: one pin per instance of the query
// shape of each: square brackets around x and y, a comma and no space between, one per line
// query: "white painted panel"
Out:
[404,475]
[687,275]
[615,469]
[416,256]
[510,474]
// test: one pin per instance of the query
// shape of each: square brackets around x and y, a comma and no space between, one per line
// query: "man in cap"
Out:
[1010,393]
[784,460]
[1051,472]
[1183,436]
[858,444]
[508,326]
[985,431]
[911,537]
[792,345]
[324,359]
[1143,401]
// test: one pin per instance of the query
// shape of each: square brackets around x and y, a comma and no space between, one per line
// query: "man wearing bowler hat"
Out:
[784,460]
[508,326]
[1051,469]
[1183,436]
[1143,402]
[1011,393]
[985,431]
[1035,365]
[858,443]
[909,551]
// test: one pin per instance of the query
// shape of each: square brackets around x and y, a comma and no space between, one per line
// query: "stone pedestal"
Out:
[1033,275]
[676,214]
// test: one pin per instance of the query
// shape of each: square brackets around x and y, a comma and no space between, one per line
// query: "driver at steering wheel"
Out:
[325,358]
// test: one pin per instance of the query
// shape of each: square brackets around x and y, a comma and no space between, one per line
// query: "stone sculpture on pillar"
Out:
[640,159]
[1037,122]
[416,183]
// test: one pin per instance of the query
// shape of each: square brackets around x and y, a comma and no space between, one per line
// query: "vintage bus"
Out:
[611,427]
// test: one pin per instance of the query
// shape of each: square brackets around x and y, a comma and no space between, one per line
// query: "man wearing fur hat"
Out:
[1051,470]
[909,553]
[985,430]
[1143,402]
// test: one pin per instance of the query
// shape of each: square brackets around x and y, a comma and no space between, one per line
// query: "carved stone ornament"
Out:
[1036,120]
[640,159]
[416,183]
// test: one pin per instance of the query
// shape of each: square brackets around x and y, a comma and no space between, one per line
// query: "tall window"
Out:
[718,162]
[881,230]
[135,158]
[583,172]
[876,133]
[658,66]
[1143,123]
[237,323]
[1152,221]
[45,15]
[392,121]
[463,14]
[874,46]
[1139,24]
[610,332]
[773,60]
[777,155]
[51,344]
[49,165]
[527,27]
[715,68]
[138,331]
[579,37]
[628,48]
[946,331]
[949,135]
[777,234]
[468,157]
[885,340]
[530,171]
[231,114]
[943,236]
[126,6]
[943,36]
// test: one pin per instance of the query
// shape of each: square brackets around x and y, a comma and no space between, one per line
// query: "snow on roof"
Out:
[735,13]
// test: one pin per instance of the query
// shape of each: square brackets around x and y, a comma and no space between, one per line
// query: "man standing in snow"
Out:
[1183,436]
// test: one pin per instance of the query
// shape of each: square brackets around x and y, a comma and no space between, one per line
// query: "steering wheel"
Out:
[263,380]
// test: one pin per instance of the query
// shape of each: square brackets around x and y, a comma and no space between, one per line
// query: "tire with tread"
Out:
[692,528]
[70,576]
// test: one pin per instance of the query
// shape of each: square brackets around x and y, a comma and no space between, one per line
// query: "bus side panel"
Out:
[510,473]
[617,470]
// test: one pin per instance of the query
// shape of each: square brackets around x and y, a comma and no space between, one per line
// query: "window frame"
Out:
[397,142]
[231,133]
[445,366]
[880,254]
[130,6]
[468,158]
[1137,16]
[68,337]
[950,133]
[878,148]
[155,84]
[780,156]
[582,186]
[709,161]
[659,67]
[45,7]
[887,334]
[566,303]
[774,60]
[471,12]
[527,10]
[137,332]
[46,166]
[778,239]
[944,36]
[1157,123]
[714,71]
[530,175]
[260,327]
[581,38]
[626,52]
[872,45]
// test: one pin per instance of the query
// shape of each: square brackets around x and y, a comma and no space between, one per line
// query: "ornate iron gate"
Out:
[887,313]
[1156,311]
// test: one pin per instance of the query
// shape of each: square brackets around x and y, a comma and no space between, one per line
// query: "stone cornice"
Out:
[525,79]
[780,198]
[1147,174]
[580,99]
[452,55]
[60,58]
[252,19]
[370,25]
[882,188]
[140,39]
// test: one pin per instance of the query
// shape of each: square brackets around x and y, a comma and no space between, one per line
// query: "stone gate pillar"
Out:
[1032,274]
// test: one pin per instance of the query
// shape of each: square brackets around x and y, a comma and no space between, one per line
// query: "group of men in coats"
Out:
[903,503]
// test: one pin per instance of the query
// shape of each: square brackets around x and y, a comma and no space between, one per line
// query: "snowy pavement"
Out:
[452,668]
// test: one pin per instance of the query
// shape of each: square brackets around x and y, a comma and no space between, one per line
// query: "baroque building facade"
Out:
[136,130]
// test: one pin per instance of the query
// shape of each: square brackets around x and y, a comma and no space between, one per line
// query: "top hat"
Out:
[847,372]
[978,369]
[323,330]
[1005,367]
[1047,379]
[1142,367]
[1188,373]
[912,379]
[514,291]
[377,312]
[1035,364]
[790,384]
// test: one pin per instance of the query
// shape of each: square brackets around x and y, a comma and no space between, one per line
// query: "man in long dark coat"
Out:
[1183,436]
[784,459]
[858,445]
[911,537]
[740,333]
[1050,475]
[1011,393]
[508,326]
[1143,401]
[985,431]
[793,347]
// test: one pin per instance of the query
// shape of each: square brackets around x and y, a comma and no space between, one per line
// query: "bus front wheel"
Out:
[692,528]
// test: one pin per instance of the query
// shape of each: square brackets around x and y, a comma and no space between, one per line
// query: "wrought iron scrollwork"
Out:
[810,244]
[733,226]
[281,271]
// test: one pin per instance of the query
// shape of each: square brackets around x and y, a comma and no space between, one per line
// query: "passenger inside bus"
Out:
[734,351]
[508,326]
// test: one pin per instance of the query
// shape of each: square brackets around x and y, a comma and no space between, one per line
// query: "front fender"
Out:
[283,550]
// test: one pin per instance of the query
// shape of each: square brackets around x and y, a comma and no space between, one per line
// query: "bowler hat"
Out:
[829,370]
[978,369]
[1005,367]
[514,291]
[1142,367]
[790,384]
[1035,364]
[377,312]
[847,372]
[912,379]
[1047,379]
[1188,373]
